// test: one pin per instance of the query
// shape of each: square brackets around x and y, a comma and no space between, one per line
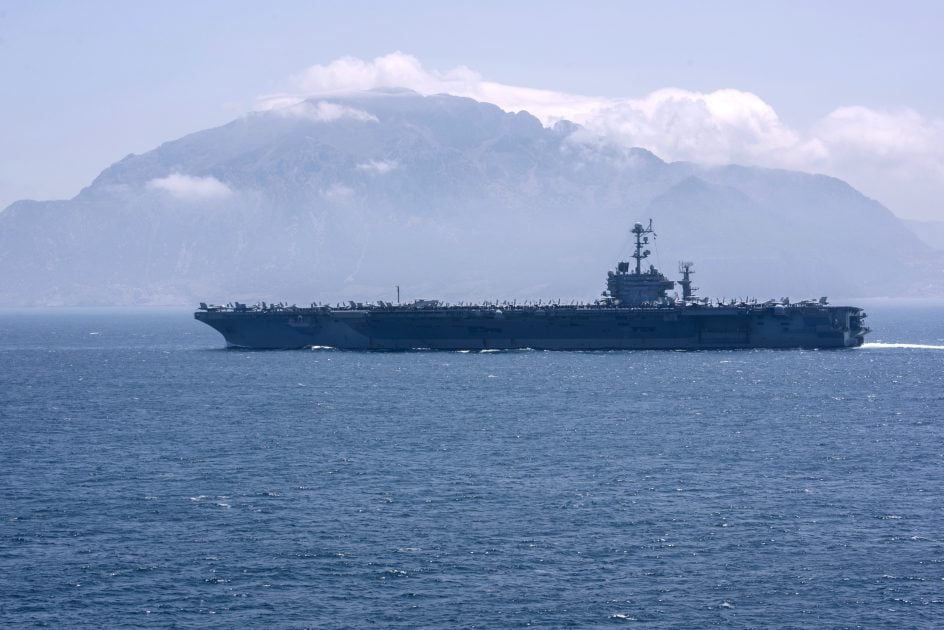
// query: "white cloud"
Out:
[399,70]
[280,102]
[338,193]
[717,127]
[897,157]
[889,137]
[189,188]
[722,126]
[379,167]
[320,111]
[878,152]
[351,74]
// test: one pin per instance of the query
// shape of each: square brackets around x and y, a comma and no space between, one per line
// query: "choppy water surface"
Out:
[151,478]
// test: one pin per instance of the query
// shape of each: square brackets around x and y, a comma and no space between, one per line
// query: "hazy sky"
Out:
[852,89]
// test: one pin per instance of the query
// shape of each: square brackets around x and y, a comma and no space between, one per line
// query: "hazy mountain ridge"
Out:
[930,232]
[344,198]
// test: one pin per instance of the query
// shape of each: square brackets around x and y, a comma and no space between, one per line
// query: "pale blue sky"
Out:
[85,83]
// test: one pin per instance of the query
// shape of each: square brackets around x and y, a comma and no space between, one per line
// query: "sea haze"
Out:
[152,478]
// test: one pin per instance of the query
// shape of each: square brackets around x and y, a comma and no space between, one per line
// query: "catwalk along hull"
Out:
[686,327]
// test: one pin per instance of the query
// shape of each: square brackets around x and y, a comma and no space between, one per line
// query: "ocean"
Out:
[151,478]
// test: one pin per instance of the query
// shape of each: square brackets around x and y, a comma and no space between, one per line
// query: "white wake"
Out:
[919,346]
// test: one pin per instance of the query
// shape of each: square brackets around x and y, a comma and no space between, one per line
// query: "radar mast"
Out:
[688,291]
[641,240]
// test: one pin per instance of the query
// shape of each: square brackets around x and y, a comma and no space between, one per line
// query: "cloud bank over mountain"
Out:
[190,188]
[894,156]
[318,111]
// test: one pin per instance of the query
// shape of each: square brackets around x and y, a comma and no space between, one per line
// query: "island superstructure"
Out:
[634,312]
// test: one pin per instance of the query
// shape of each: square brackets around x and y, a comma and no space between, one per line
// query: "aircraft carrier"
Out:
[635,312]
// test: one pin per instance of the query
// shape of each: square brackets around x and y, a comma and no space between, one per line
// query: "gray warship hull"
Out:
[634,313]
[677,327]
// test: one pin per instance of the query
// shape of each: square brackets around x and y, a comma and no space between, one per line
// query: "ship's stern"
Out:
[857,328]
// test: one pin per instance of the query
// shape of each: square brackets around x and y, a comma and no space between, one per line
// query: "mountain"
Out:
[348,197]
[930,232]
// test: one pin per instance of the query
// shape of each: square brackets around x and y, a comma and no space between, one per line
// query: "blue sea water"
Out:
[152,478]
